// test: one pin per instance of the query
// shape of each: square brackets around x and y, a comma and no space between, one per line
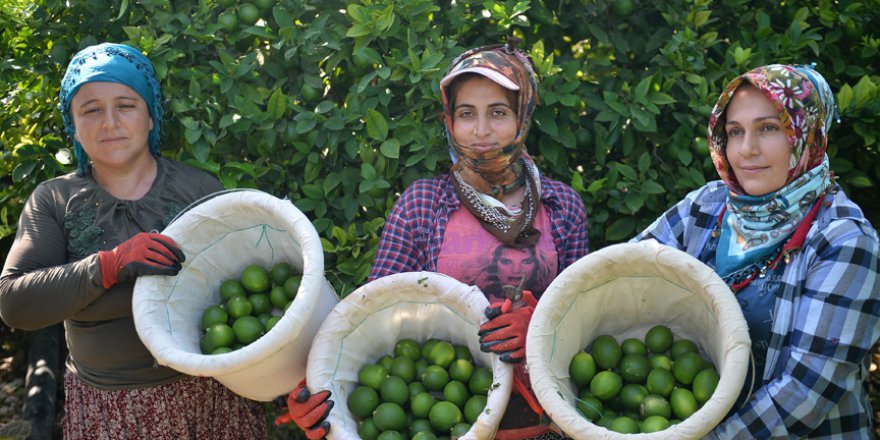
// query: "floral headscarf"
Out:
[509,67]
[755,228]
[109,62]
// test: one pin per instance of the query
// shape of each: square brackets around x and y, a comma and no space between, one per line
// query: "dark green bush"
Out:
[335,104]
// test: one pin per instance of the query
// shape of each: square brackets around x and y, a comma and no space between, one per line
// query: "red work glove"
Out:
[144,254]
[505,332]
[308,411]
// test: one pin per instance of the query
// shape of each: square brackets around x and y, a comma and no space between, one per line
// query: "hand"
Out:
[505,332]
[144,254]
[308,411]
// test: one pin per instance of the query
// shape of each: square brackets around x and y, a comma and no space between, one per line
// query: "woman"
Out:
[511,266]
[800,256]
[494,195]
[84,238]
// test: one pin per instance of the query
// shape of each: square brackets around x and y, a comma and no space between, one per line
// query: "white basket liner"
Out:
[367,324]
[623,290]
[219,237]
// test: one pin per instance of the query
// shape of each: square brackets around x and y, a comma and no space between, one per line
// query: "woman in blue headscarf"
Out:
[84,238]
[800,256]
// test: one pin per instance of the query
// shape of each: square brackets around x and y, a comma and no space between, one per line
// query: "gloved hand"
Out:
[308,411]
[505,332]
[146,253]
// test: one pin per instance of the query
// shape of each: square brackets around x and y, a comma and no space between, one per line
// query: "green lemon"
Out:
[291,285]
[442,354]
[280,272]
[219,335]
[421,426]
[248,329]
[474,407]
[460,429]
[658,339]
[427,346]
[654,424]
[424,435]
[260,303]
[683,403]
[589,406]
[582,368]
[654,405]
[389,416]
[363,401]
[444,415]
[421,364]
[633,346]
[255,278]
[409,348]
[391,435]
[704,385]
[681,347]
[265,4]
[421,405]
[230,288]
[631,396]
[271,322]
[239,306]
[394,389]
[367,429]
[660,381]
[372,375]
[462,352]
[456,392]
[386,361]
[481,381]
[404,368]
[416,387]
[622,8]
[228,21]
[624,425]
[606,352]
[660,361]
[248,13]
[222,350]
[686,366]
[214,314]
[634,368]
[461,370]
[278,298]
[435,377]
[605,385]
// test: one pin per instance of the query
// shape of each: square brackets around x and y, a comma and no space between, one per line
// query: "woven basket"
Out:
[220,236]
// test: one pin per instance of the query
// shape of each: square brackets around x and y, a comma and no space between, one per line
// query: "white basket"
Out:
[220,236]
[367,324]
[623,290]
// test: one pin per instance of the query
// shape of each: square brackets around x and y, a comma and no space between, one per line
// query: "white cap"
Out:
[494,75]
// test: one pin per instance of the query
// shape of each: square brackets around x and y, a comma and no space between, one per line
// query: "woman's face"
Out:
[112,123]
[515,264]
[484,118]
[757,146]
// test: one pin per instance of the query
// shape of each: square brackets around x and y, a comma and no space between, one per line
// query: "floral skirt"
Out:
[191,408]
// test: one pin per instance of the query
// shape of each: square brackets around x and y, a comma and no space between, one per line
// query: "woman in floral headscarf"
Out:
[493,196]
[800,256]
[82,241]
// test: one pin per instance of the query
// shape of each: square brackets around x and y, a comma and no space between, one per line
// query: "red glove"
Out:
[144,254]
[308,411]
[505,332]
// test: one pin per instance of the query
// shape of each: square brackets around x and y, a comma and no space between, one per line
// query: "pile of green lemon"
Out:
[427,391]
[249,307]
[640,386]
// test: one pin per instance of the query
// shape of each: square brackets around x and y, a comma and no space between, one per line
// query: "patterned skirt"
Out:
[191,408]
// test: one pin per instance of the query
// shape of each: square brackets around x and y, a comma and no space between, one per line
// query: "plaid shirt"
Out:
[413,233]
[826,320]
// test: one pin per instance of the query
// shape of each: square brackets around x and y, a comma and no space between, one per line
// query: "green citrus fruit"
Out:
[474,407]
[442,354]
[588,405]
[704,385]
[654,424]
[422,426]
[363,401]
[367,429]
[633,346]
[606,352]
[582,368]
[624,425]
[260,303]
[416,388]
[214,314]
[389,416]
[404,368]
[658,339]
[421,364]
[460,429]
[481,381]
[683,403]
[291,285]
[461,370]
[271,322]
[265,5]
[427,346]
[435,377]
[394,389]
[660,361]
[631,396]
[622,8]
[654,405]
[681,347]
[280,272]
[310,93]
[462,352]
[634,368]
[228,21]
[278,298]
[686,366]
[248,329]
[372,375]
[444,415]
[248,13]
[660,381]
[219,335]
[222,350]
[255,278]
[391,435]
[386,361]
[230,288]
[409,348]
[239,306]
[421,405]
[456,392]
[605,385]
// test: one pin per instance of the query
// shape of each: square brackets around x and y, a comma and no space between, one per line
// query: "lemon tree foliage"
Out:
[335,104]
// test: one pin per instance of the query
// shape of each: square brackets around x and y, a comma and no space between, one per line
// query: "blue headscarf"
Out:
[117,63]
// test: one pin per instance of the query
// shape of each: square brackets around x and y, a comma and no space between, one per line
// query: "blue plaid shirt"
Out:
[413,233]
[826,320]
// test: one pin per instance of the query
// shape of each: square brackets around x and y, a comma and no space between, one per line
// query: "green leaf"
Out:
[621,229]
[377,127]
[313,191]
[277,105]
[390,148]
[844,97]
[661,98]
[359,30]
[652,187]
[860,181]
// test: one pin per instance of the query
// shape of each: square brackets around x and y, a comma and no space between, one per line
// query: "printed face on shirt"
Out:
[757,146]
[112,122]
[484,118]
[512,265]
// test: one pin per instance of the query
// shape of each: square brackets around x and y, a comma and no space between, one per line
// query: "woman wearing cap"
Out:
[84,238]
[493,195]
[799,255]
